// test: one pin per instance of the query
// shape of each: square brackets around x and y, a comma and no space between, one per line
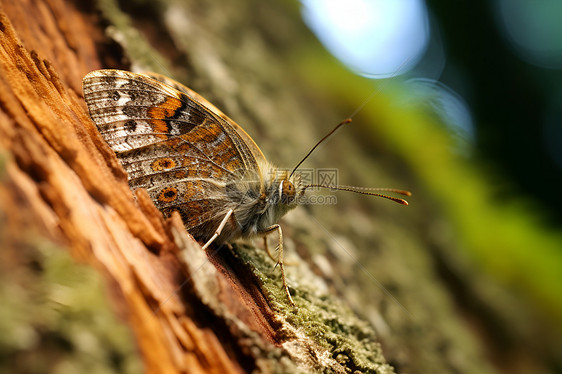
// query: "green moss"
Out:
[137,49]
[507,237]
[323,318]
[55,317]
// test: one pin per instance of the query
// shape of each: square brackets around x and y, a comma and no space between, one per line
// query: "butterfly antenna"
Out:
[346,121]
[366,191]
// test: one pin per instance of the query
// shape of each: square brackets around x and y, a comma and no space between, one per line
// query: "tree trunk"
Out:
[220,310]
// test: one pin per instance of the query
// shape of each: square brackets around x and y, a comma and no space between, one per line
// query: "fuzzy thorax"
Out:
[261,200]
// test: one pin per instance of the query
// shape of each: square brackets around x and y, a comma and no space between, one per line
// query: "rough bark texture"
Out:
[207,314]
[223,310]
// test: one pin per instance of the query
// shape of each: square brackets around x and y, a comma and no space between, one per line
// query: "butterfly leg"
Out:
[219,229]
[267,231]
[266,246]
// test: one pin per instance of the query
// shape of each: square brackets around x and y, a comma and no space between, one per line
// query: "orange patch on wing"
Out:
[196,210]
[188,162]
[163,111]
[180,174]
[163,164]
[194,188]
[167,195]
[204,173]
[184,143]
[172,143]
[211,133]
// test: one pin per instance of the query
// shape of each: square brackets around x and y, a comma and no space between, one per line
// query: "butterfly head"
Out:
[290,190]
[279,194]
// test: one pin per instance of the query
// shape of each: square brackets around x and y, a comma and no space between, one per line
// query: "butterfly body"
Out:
[256,200]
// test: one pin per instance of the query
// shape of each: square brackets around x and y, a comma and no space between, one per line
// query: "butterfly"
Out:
[193,159]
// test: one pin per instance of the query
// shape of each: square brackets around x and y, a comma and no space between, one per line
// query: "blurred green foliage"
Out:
[55,316]
[506,236]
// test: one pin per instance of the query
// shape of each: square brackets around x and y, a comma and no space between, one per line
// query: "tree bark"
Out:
[190,311]
[220,310]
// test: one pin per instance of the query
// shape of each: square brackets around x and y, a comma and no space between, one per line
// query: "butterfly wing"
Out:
[171,142]
[256,151]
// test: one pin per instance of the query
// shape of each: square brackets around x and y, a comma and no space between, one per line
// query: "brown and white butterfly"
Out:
[193,159]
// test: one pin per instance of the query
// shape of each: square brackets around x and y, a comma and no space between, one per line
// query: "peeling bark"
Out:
[220,310]
[190,311]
